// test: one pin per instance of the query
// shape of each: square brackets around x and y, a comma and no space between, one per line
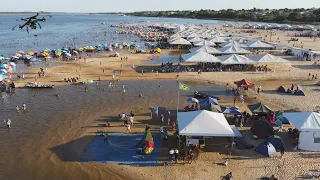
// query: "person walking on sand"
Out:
[128,128]
[282,149]
[169,120]
[131,120]
[162,118]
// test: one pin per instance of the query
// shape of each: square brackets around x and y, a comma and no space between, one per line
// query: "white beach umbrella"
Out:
[235,59]
[206,49]
[12,64]
[1,58]
[3,71]
[308,27]
[205,43]
[233,50]
[21,52]
[200,57]
[191,36]
[267,58]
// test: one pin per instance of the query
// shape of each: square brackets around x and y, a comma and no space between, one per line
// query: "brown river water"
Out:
[28,149]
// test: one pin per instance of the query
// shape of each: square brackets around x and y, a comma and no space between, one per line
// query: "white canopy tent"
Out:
[267,58]
[233,50]
[232,43]
[217,39]
[203,123]
[200,57]
[235,59]
[193,35]
[258,44]
[196,40]
[205,43]
[206,49]
[308,123]
[180,41]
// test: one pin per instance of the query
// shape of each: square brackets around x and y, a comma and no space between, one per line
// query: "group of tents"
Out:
[298,92]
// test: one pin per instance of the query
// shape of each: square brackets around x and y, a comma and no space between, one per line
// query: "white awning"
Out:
[206,49]
[267,58]
[235,59]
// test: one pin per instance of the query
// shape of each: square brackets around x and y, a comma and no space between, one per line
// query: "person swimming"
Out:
[24,107]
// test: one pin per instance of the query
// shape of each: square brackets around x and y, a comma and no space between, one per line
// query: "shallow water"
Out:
[55,120]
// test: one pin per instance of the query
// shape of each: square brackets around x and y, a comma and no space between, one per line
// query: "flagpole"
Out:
[178,103]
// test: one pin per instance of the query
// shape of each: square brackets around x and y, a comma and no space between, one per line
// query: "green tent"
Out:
[260,109]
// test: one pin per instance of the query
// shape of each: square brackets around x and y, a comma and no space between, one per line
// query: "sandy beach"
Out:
[244,164]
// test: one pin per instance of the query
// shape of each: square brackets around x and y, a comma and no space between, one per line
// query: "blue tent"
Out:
[207,101]
[266,149]
[276,141]
[279,116]
[299,93]
[234,110]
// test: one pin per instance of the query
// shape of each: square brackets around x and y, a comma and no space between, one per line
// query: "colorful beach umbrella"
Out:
[3,71]
[3,66]
[31,53]
[58,50]
[35,51]
[12,64]
[192,100]
[3,55]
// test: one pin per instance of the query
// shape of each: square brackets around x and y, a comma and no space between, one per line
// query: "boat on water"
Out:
[35,85]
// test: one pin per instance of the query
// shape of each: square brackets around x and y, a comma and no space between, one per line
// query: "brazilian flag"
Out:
[183,86]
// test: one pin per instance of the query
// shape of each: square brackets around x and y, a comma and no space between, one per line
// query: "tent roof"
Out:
[236,131]
[203,123]
[205,43]
[235,59]
[258,44]
[259,108]
[233,50]
[199,57]
[180,41]
[217,39]
[304,121]
[206,49]
[244,83]
[267,58]
[232,43]
[196,39]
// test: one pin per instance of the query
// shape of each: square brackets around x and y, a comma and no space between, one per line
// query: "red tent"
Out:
[244,83]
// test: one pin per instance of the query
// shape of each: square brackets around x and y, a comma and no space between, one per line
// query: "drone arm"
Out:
[27,29]
[39,25]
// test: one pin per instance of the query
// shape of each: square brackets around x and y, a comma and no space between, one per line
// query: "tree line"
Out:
[300,15]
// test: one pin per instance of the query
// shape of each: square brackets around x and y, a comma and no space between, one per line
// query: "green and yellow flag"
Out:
[183,86]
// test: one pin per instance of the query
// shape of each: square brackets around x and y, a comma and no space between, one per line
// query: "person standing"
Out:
[282,149]
[162,119]
[9,123]
[128,128]
[17,109]
[169,120]
[131,120]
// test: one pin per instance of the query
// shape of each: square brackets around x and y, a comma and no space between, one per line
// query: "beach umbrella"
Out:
[12,64]
[35,51]
[66,49]
[3,55]
[21,52]
[15,57]
[200,57]
[3,66]
[31,53]
[75,52]
[33,59]
[58,50]
[192,100]
[158,50]
[89,80]
[1,78]
[18,55]
[1,58]
[3,71]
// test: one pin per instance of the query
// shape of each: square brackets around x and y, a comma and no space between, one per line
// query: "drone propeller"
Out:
[39,25]
[14,27]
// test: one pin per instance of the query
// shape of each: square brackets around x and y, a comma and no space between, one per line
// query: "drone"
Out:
[31,22]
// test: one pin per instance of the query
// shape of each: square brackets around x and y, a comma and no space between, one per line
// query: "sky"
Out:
[147,5]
